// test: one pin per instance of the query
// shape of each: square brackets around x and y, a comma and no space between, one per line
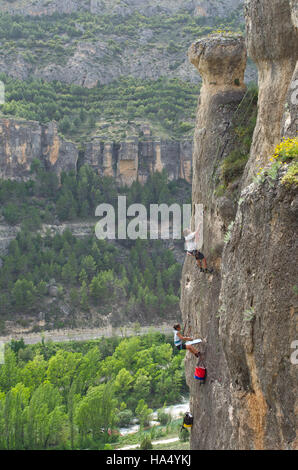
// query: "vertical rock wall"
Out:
[290,117]
[221,62]
[133,160]
[272,43]
[23,141]
[247,308]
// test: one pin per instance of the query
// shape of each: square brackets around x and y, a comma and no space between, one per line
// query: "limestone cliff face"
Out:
[257,317]
[23,141]
[272,41]
[246,308]
[133,160]
[221,63]
[247,312]
[213,7]
[290,117]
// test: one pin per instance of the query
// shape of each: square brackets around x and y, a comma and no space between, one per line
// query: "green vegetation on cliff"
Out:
[243,124]
[89,276]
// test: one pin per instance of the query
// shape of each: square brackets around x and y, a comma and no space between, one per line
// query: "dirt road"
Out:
[163,441]
[85,334]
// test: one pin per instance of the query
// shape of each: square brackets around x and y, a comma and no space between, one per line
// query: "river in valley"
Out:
[175,410]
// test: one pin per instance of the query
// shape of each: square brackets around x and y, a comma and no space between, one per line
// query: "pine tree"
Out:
[84,302]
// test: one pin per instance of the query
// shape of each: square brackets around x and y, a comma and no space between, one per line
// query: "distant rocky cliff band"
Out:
[21,142]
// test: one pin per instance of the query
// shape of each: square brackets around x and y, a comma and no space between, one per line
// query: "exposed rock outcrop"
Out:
[272,42]
[122,7]
[141,52]
[290,118]
[23,141]
[133,160]
[213,7]
[246,308]
[257,318]
[7,234]
[221,62]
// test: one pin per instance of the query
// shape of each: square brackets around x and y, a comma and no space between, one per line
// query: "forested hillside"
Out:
[104,384]
[134,63]
[89,48]
[102,70]
[68,281]
[111,112]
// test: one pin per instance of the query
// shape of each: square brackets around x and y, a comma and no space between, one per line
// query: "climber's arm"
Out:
[184,338]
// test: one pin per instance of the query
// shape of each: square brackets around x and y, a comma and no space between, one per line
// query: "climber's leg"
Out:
[206,270]
[199,263]
[192,350]
[199,257]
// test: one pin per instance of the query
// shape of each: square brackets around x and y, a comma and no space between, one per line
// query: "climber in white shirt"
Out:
[179,338]
[191,243]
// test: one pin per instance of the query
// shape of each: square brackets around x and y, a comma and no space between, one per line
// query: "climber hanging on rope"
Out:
[191,243]
[179,338]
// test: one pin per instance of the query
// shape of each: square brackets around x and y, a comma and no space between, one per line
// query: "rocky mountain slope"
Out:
[119,7]
[95,42]
[246,308]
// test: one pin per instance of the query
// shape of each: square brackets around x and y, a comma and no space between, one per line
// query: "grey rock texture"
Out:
[44,7]
[246,308]
[221,63]
[290,118]
[257,319]
[272,42]
[7,234]
[122,7]
[93,64]
[289,126]
[23,141]
[214,7]
[247,313]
